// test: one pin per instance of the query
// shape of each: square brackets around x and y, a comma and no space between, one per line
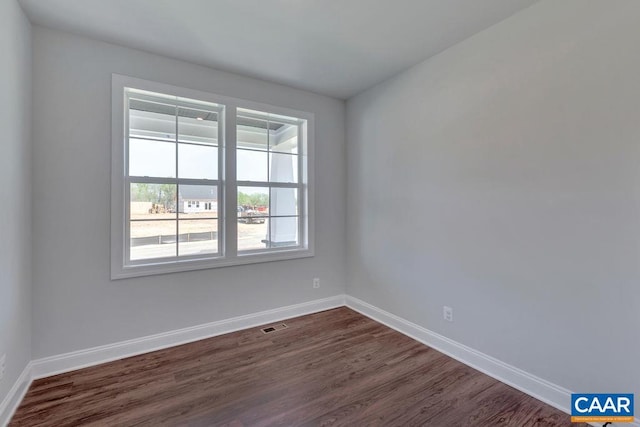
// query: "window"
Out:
[202,181]
[268,165]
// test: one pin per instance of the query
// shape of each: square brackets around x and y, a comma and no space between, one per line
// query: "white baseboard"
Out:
[543,390]
[16,394]
[93,356]
[67,362]
[538,388]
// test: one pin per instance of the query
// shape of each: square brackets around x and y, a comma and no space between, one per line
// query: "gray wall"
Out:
[502,177]
[75,304]
[15,176]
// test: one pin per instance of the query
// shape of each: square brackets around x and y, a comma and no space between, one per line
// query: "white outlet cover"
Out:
[3,361]
[447,313]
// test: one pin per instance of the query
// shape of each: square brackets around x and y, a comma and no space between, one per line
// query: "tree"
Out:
[255,199]
[163,194]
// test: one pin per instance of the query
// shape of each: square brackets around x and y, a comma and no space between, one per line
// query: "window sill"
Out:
[204,264]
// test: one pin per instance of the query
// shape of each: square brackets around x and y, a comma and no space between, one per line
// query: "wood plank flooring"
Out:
[336,368]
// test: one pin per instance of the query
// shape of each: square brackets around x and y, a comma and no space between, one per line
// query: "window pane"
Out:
[198,126]
[152,201]
[198,237]
[253,234]
[284,202]
[284,232]
[251,166]
[152,158]
[284,138]
[198,201]
[153,239]
[253,204]
[197,161]
[152,120]
[251,133]
[284,167]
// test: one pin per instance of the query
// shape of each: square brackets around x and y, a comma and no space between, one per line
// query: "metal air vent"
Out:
[274,328]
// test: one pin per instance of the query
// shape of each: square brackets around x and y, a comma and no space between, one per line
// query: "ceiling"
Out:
[333,47]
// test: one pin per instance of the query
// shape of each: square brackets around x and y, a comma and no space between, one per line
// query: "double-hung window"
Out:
[268,182]
[202,181]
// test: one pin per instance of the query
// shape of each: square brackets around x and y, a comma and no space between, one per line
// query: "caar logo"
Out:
[602,408]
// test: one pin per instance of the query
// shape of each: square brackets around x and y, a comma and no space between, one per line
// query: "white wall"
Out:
[502,177]
[15,176]
[76,306]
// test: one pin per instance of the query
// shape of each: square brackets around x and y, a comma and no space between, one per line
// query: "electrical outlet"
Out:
[3,361]
[447,313]
[316,283]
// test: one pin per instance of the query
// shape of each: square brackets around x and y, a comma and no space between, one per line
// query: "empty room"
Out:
[320,213]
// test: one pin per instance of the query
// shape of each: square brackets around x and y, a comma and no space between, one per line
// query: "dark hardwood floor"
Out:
[331,368]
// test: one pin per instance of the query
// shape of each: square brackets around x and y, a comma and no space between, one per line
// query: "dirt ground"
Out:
[250,236]
[203,222]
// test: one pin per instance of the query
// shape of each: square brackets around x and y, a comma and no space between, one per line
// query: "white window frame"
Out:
[227,195]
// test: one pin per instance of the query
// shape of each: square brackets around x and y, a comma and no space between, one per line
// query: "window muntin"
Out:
[211,233]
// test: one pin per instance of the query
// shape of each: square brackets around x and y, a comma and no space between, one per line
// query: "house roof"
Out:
[197,192]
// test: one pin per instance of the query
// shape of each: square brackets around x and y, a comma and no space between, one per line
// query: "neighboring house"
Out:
[197,199]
